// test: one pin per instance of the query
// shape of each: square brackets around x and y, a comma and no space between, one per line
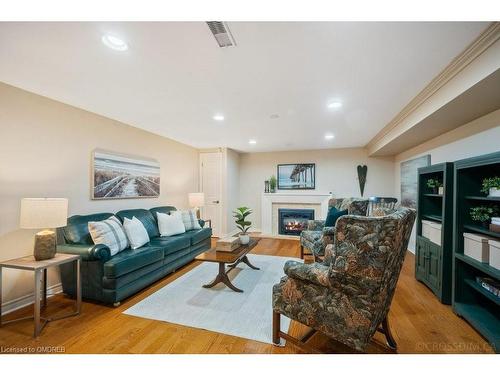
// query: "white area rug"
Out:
[249,314]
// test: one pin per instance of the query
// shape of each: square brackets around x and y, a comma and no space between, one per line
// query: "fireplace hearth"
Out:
[292,221]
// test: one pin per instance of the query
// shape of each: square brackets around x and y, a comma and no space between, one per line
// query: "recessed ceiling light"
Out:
[274,116]
[114,42]
[329,136]
[252,141]
[335,105]
[218,118]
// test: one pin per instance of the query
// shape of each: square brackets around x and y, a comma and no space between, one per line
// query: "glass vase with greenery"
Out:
[272,183]
[491,186]
[241,214]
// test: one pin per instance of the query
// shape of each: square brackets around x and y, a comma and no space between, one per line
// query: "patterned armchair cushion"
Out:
[382,211]
[349,294]
[355,206]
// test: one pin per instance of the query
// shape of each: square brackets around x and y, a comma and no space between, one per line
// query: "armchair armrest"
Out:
[328,231]
[315,273]
[87,252]
[315,224]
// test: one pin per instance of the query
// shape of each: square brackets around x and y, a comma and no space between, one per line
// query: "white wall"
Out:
[45,151]
[335,172]
[478,137]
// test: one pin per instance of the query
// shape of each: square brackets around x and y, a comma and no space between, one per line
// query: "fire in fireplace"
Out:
[293,221]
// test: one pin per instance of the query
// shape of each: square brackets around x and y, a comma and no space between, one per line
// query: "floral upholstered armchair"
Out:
[347,297]
[317,236]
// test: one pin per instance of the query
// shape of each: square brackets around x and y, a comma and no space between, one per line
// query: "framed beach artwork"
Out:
[116,176]
[409,184]
[296,176]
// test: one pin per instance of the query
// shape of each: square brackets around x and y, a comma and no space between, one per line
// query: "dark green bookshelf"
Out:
[433,262]
[470,301]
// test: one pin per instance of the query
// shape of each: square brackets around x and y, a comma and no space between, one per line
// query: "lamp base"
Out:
[45,245]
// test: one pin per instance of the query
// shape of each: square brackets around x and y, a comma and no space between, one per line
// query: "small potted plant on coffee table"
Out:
[482,214]
[242,224]
[491,186]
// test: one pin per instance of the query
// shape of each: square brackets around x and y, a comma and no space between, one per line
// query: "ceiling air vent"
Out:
[221,33]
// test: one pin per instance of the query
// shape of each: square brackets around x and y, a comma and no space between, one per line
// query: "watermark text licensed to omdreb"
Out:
[31,349]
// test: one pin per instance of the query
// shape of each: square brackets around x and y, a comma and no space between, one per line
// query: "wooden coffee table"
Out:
[231,259]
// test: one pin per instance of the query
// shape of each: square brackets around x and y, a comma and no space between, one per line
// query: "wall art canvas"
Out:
[116,176]
[296,176]
[409,179]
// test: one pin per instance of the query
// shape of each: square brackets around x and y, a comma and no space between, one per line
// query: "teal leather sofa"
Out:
[112,279]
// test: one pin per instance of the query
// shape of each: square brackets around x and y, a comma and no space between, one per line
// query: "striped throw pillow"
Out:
[190,220]
[109,232]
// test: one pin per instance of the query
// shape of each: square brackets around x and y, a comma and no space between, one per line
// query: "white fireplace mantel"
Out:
[293,198]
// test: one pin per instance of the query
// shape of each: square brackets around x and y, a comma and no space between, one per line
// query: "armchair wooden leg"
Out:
[388,335]
[276,328]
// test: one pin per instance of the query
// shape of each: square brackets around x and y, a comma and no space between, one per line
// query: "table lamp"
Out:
[47,214]
[196,200]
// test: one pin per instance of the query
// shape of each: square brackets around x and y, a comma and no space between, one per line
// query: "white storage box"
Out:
[432,231]
[494,253]
[476,246]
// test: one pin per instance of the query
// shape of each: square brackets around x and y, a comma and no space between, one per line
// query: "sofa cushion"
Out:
[76,232]
[162,210]
[198,235]
[171,244]
[146,218]
[130,260]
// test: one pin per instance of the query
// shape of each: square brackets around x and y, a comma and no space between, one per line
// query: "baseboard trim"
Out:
[23,301]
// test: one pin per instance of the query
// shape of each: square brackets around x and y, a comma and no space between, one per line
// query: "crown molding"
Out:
[486,39]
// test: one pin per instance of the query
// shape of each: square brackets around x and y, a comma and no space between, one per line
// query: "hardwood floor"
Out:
[420,324]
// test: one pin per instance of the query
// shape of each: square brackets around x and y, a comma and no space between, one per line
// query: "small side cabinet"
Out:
[428,268]
[433,260]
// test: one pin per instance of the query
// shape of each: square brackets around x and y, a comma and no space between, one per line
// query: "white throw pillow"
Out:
[168,225]
[190,220]
[109,232]
[136,233]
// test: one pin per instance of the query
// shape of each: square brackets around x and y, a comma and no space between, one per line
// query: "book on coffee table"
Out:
[227,244]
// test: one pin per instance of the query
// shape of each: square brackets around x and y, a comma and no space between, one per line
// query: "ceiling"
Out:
[273,87]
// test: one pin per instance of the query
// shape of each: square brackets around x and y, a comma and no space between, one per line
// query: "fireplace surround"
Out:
[292,221]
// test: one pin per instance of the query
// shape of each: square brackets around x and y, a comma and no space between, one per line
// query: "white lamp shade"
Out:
[196,199]
[39,213]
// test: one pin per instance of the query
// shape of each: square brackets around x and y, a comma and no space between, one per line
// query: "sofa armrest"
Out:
[315,224]
[87,252]
[315,273]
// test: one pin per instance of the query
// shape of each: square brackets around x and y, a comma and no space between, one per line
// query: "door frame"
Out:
[200,186]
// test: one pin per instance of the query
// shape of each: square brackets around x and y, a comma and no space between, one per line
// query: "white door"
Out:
[210,184]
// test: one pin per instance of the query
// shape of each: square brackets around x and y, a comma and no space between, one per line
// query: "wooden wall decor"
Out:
[362,171]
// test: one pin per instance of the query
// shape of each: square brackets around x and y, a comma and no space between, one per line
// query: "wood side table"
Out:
[39,269]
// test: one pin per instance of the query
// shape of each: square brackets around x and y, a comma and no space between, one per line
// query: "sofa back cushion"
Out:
[162,209]
[76,232]
[146,218]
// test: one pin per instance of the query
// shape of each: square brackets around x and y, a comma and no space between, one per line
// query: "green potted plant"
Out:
[272,183]
[482,214]
[436,186]
[491,186]
[242,224]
